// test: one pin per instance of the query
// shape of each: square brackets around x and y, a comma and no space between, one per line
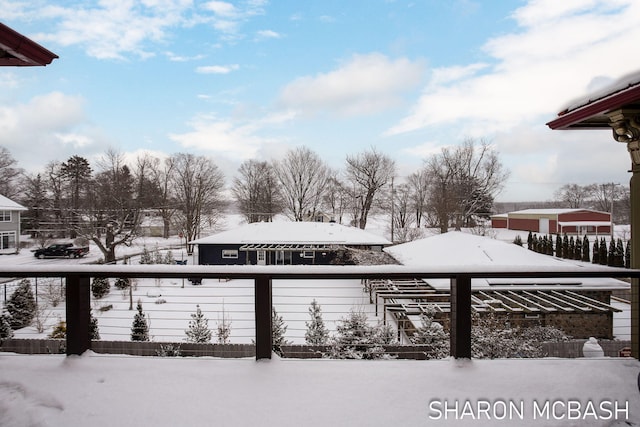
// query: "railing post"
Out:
[634,188]
[263,317]
[460,329]
[78,314]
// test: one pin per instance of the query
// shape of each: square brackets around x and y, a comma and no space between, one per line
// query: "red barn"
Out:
[555,221]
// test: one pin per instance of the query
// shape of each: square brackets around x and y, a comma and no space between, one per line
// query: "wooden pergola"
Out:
[617,108]
[17,50]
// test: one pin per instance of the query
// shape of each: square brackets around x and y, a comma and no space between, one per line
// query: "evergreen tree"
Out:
[572,249]
[558,246]
[317,333]
[94,332]
[59,331]
[578,249]
[611,256]
[602,252]
[140,328]
[198,331]
[146,257]
[596,252]
[586,247]
[168,258]
[565,246]
[157,257]
[627,255]
[619,254]
[278,329]
[21,305]
[356,339]
[432,333]
[223,329]
[530,241]
[100,287]
[6,333]
[122,283]
[517,240]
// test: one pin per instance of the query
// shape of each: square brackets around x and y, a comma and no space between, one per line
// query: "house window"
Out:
[7,240]
[308,254]
[230,253]
[5,216]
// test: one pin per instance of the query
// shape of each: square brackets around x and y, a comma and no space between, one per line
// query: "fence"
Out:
[250,292]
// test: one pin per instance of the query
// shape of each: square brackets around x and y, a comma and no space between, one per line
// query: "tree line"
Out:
[105,202]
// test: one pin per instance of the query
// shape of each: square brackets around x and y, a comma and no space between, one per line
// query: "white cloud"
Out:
[363,85]
[217,69]
[559,49]
[268,34]
[232,138]
[48,127]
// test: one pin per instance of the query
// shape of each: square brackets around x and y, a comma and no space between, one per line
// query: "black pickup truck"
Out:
[61,250]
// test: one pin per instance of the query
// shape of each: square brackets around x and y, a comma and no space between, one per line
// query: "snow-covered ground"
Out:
[105,391]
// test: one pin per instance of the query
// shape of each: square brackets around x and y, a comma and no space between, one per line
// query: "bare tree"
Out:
[303,177]
[337,197]
[463,183]
[573,196]
[256,192]
[9,174]
[368,172]
[114,217]
[197,183]
[418,183]
[162,172]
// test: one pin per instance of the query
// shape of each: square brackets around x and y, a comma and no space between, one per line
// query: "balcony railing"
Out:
[78,289]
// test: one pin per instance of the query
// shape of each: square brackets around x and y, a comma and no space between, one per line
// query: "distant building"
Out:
[555,221]
[284,243]
[9,225]
[581,307]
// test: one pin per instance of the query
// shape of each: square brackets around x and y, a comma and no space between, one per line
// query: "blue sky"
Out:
[251,79]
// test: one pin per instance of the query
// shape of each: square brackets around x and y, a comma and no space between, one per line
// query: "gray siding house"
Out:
[9,225]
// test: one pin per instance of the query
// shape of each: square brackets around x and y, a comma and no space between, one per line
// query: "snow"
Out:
[115,390]
[99,390]
[287,232]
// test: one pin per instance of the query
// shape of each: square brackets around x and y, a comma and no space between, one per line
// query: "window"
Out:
[230,253]
[5,216]
[7,240]
[308,254]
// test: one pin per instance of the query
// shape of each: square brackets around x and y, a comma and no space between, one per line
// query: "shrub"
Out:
[518,240]
[140,328]
[122,283]
[100,287]
[21,305]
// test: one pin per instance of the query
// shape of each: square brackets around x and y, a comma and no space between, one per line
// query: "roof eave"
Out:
[22,51]
[593,115]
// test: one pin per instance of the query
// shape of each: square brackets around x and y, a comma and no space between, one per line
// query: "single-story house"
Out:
[9,225]
[581,307]
[555,221]
[284,243]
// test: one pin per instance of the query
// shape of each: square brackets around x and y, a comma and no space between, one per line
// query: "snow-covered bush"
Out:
[140,328]
[21,305]
[169,350]
[433,334]
[278,329]
[122,283]
[317,333]
[198,331]
[6,333]
[356,339]
[100,287]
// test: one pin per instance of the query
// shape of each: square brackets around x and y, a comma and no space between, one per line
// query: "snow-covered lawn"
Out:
[99,390]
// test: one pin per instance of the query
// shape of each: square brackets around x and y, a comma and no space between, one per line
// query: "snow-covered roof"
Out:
[552,211]
[287,232]
[7,204]
[458,248]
